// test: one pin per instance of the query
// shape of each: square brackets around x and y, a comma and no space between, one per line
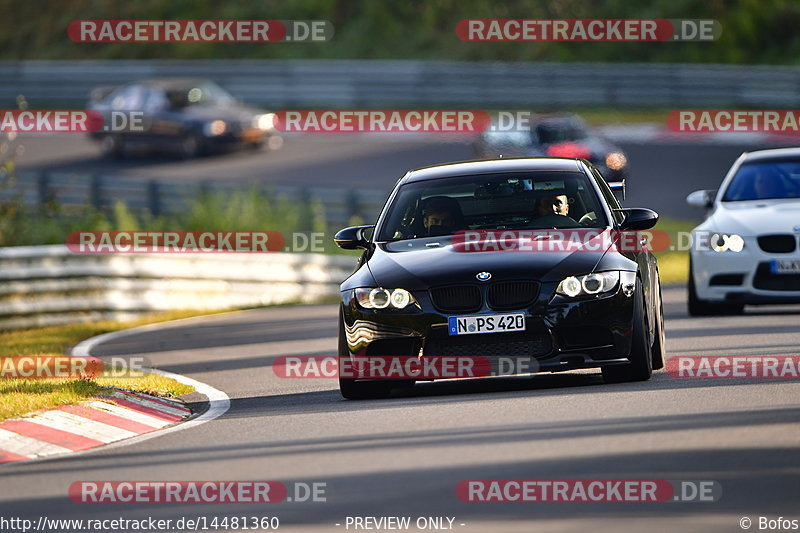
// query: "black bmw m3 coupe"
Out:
[527,265]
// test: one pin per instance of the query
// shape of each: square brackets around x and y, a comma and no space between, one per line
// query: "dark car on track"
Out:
[189,117]
[557,135]
[419,291]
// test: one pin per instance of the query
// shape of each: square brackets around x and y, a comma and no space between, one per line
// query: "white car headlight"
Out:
[589,284]
[724,242]
[264,122]
[380,298]
[214,128]
[616,160]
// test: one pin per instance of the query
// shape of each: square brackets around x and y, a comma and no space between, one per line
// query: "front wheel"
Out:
[659,337]
[112,146]
[640,367]
[363,390]
[190,147]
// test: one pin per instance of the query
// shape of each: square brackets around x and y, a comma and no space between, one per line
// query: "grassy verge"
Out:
[673,266]
[20,396]
[599,117]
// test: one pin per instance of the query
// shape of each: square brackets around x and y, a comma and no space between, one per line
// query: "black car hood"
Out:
[414,265]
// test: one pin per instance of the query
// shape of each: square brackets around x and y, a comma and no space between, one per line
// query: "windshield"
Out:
[558,132]
[765,180]
[522,200]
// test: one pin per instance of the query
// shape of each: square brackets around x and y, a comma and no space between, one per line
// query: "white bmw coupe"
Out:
[746,251]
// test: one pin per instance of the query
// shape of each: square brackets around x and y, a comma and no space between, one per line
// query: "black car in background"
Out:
[189,117]
[557,135]
[418,292]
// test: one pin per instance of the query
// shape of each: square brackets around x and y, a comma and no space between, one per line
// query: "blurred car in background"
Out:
[746,251]
[189,117]
[556,135]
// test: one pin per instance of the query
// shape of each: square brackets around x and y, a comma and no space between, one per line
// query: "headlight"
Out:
[589,284]
[216,127]
[380,298]
[616,160]
[722,242]
[264,122]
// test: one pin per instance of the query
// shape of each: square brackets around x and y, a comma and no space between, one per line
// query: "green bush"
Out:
[241,210]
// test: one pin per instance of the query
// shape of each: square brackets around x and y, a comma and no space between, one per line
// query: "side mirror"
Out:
[618,187]
[352,238]
[701,199]
[638,218]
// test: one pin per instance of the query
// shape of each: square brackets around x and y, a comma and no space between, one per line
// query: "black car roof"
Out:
[491,166]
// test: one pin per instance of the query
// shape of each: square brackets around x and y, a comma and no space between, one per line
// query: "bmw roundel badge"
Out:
[483,276]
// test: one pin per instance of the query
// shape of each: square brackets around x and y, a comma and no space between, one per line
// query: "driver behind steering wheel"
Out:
[557,204]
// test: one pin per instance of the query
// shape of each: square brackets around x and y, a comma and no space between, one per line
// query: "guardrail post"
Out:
[96,191]
[154,197]
[306,213]
[352,204]
[43,185]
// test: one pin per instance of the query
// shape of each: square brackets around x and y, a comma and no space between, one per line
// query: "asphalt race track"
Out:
[404,456]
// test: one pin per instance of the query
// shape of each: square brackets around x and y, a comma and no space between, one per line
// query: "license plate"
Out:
[470,325]
[785,266]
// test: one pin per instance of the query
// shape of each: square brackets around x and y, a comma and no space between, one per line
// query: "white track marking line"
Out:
[130,414]
[79,425]
[27,446]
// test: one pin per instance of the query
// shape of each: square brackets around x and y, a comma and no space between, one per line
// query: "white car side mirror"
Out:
[701,199]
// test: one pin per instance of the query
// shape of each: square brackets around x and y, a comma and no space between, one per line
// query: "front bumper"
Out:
[744,277]
[560,334]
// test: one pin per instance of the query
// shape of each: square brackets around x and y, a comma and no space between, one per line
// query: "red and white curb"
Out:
[120,418]
[70,428]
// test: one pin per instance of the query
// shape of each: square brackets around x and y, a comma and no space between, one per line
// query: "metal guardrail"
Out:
[48,285]
[375,83]
[161,196]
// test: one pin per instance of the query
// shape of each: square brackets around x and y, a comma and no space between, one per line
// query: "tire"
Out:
[640,367]
[112,146]
[190,147]
[699,307]
[659,348]
[358,390]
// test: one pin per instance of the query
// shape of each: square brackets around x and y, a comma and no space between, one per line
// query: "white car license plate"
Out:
[470,325]
[785,266]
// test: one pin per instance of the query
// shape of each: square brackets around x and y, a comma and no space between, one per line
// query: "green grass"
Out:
[20,396]
[673,266]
